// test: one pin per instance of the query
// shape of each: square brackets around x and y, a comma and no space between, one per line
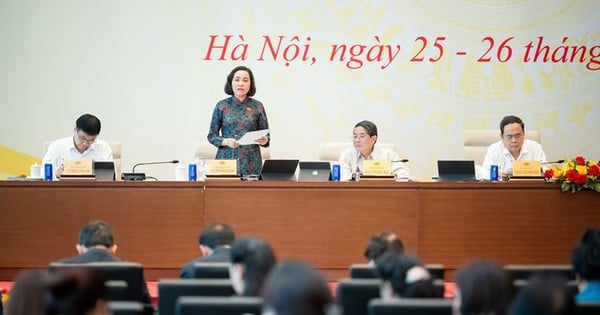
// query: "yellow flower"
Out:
[557,172]
[581,169]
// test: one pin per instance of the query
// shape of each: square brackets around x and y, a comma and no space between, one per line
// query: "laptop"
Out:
[314,171]
[104,170]
[282,170]
[456,170]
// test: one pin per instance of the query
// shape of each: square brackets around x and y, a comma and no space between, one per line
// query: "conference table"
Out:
[328,224]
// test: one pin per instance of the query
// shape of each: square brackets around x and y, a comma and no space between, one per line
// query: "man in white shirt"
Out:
[83,145]
[364,138]
[512,146]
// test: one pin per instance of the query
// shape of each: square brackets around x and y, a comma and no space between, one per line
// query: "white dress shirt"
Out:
[64,149]
[497,154]
[354,159]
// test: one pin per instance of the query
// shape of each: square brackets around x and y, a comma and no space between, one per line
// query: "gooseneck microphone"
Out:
[399,161]
[554,162]
[133,176]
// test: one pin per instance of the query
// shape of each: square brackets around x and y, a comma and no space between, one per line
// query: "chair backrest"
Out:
[519,284]
[524,272]
[476,142]
[130,273]
[587,308]
[330,151]
[171,289]
[209,151]
[353,295]
[126,308]
[366,271]
[115,147]
[410,306]
[233,305]
[206,270]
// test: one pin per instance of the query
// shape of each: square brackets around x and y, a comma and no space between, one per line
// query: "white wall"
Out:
[139,66]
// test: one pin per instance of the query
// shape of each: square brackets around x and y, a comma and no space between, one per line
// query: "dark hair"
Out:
[544,295]
[586,256]
[258,259]
[381,243]
[369,126]
[216,235]
[507,120]
[96,233]
[89,124]
[484,288]
[75,291]
[295,288]
[228,87]
[27,294]
[393,268]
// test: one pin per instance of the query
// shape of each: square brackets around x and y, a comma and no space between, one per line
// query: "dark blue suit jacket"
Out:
[100,255]
[220,254]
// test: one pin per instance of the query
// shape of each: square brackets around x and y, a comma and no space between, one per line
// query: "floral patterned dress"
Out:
[232,119]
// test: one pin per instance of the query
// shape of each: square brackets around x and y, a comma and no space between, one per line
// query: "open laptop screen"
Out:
[456,170]
[314,171]
[284,170]
[104,170]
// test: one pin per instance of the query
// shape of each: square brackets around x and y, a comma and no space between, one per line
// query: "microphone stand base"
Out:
[133,176]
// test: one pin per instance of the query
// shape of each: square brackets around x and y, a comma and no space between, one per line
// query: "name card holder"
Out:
[78,170]
[375,169]
[222,169]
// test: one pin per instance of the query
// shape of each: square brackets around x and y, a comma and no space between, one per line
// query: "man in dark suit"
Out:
[215,244]
[96,244]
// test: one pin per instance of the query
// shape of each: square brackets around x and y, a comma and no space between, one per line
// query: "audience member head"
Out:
[96,234]
[28,293]
[483,288]
[228,84]
[295,288]
[251,260]
[404,275]
[382,243]
[586,256]
[77,291]
[213,236]
[544,295]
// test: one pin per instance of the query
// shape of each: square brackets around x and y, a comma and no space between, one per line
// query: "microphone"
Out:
[399,161]
[554,162]
[133,176]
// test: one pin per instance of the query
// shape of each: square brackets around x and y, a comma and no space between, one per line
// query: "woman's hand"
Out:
[230,142]
[262,140]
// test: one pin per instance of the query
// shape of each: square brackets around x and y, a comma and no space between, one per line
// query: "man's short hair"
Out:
[216,235]
[507,120]
[382,243]
[89,124]
[96,233]
[369,127]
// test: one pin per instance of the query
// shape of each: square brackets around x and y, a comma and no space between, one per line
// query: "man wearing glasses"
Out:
[81,146]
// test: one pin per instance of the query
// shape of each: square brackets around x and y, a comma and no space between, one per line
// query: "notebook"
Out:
[314,171]
[104,170]
[456,170]
[283,170]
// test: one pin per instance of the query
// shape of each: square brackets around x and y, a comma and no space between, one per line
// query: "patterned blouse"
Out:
[232,119]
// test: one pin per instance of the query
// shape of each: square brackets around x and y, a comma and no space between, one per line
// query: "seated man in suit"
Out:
[82,145]
[364,138]
[96,244]
[512,146]
[215,245]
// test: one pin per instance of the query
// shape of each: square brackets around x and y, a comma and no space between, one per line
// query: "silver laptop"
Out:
[104,170]
[456,171]
[314,171]
[281,170]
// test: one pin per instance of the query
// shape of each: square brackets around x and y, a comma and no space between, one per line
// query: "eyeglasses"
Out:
[85,139]
[360,136]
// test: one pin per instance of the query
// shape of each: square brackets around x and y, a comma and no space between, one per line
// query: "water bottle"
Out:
[192,172]
[336,173]
[48,172]
[494,173]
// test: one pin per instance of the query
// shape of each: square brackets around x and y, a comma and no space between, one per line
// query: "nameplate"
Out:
[376,168]
[527,168]
[221,167]
[78,167]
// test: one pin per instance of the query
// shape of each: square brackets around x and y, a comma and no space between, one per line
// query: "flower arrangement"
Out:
[576,174]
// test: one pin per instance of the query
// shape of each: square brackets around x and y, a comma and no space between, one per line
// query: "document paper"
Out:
[251,136]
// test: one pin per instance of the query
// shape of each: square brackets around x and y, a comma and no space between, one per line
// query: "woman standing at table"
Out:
[236,115]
